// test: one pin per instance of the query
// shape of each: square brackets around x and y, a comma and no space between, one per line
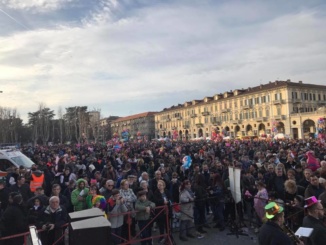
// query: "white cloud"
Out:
[35,5]
[157,51]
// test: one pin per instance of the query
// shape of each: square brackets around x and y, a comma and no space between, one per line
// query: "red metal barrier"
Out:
[26,234]
[130,240]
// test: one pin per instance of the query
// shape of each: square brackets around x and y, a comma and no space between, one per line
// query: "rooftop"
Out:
[140,115]
[249,90]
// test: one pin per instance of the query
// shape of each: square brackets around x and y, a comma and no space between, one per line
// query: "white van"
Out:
[13,158]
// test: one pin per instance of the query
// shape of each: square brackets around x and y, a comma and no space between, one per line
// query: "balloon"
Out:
[117,147]
[186,162]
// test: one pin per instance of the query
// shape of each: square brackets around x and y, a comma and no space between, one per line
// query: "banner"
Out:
[234,178]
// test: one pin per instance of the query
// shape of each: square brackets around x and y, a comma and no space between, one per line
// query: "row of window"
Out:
[221,106]
[303,109]
[246,102]
[221,118]
[309,96]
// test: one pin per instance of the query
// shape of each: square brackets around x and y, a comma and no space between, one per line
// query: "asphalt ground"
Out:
[216,237]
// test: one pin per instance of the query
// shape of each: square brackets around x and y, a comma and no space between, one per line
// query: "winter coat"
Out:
[159,201]
[24,190]
[141,209]
[318,235]
[201,196]
[186,205]
[14,220]
[271,233]
[113,213]
[58,218]
[4,196]
[79,205]
[312,190]
[35,215]
[129,197]
[260,202]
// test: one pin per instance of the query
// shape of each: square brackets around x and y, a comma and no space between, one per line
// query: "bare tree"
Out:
[10,125]
[61,124]
[33,122]
[41,121]
[76,119]
[94,122]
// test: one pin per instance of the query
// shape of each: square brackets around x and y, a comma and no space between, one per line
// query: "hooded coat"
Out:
[79,204]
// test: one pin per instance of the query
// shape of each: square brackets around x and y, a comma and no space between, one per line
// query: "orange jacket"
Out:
[36,182]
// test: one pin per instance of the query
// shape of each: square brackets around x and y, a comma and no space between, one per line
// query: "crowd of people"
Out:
[141,177]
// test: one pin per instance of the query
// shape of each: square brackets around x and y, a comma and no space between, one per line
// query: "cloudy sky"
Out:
[130,56]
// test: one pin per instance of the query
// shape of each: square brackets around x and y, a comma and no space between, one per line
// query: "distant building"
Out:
[138,125]
[268,109]
[94,116]
[105,125]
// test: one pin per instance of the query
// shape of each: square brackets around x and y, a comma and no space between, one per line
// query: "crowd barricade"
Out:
[128,240]
[27,239]
[166,209]
[157,211]
[25,235]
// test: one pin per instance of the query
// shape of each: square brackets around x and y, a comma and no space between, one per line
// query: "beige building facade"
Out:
[138,125]
[291,108]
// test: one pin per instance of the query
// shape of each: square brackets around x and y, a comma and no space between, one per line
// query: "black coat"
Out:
[58,218]
[159,201]
[152,184]
[15,221]
[4,195]
[318,236]
[34,216]
[43,198]
[271,234]
[64,201]
[67,193]
[200,196]
[24,190]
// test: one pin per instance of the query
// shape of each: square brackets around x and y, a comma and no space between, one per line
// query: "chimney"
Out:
[300,82]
